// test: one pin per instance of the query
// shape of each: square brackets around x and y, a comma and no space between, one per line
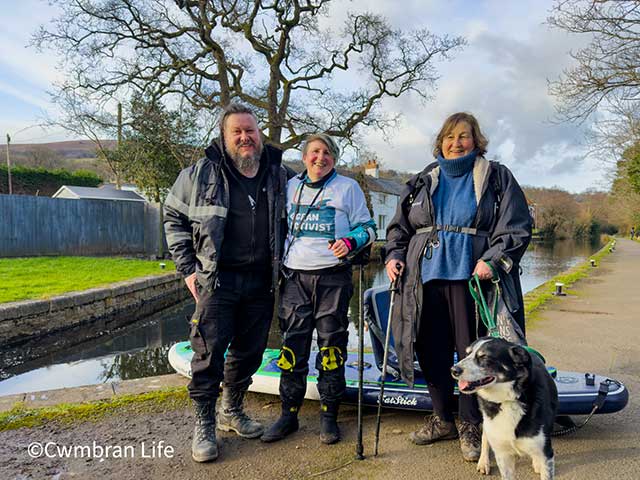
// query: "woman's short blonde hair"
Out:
[450,123]
[327,140]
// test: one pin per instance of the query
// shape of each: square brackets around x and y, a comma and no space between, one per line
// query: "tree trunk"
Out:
[160,253]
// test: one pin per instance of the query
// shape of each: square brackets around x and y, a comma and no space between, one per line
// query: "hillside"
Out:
[69,149]
[70,155]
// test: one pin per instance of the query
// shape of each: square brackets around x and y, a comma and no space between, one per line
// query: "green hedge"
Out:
[32,181]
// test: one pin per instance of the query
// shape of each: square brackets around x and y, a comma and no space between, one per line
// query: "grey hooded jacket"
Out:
[195,213]
[502,211]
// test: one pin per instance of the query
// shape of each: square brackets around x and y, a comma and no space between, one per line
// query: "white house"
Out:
[385,195]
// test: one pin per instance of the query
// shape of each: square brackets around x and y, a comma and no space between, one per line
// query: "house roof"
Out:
[99,193]
[384,185]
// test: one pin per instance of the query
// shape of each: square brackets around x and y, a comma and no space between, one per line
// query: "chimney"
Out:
[372,169]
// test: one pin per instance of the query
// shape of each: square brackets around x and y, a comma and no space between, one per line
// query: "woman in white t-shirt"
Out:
[328,219]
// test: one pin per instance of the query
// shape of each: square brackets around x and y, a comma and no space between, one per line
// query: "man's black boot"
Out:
[329,430]
[231,416]
[285,425]
[204,447]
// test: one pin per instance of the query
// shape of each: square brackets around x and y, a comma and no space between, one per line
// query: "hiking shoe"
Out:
[204,447]
[470,440]
[434,429]
[285,425]
[232,418]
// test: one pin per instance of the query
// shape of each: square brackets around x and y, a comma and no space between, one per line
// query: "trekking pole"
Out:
[361,259]
[393,287]
[359,446]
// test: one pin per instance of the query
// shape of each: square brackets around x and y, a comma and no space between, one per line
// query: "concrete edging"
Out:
[92,393]
[112,305]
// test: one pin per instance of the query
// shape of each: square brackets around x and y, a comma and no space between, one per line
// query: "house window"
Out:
[383,199]
[382,222]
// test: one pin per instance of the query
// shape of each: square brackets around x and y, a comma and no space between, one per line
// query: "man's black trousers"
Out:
[448,323]
[317,301]
[236,315]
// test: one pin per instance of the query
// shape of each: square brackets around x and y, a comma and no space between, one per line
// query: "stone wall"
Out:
[111,306]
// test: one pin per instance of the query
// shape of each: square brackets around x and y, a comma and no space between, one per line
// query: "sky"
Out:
[500,76]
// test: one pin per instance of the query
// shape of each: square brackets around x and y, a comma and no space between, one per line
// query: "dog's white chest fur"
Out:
[501,429]
[501,434]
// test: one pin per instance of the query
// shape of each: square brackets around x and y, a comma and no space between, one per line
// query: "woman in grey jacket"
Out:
[462,215]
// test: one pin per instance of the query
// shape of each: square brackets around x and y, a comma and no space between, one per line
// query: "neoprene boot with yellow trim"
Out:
[285,425]
[232,418]
[204,447]
[329,430]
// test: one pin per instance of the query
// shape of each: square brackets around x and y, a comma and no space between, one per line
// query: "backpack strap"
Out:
[496,183]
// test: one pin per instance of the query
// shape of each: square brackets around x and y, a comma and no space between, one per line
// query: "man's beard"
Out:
[248,161]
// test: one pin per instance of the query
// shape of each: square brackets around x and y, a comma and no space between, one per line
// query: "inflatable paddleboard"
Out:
[576,391]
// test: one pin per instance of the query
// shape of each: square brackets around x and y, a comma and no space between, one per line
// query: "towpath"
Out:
[595,328]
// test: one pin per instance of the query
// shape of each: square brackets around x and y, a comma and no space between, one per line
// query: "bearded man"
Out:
[223,222]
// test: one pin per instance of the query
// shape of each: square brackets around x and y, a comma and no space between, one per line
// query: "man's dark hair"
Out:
[231,109]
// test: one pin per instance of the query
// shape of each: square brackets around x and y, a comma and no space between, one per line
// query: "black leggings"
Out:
[447,324]
[321,302]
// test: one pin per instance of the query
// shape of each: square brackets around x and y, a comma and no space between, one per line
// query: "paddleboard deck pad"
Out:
[577,392]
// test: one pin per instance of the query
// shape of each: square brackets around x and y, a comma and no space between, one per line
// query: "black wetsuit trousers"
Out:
[235,316]
[447,324]
[314,301]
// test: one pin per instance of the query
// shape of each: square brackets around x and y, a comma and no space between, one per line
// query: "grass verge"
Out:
[44,277]
[21,416]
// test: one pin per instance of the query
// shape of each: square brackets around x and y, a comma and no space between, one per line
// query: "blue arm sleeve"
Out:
[363,233]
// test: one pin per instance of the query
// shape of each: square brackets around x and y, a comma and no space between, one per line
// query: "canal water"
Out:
[140,349]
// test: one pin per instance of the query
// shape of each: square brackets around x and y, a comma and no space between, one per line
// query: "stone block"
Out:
[83,298]
[120,289]
[62,302]
[31,307]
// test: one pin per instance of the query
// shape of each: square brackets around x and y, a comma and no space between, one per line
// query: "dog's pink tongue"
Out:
[462,384]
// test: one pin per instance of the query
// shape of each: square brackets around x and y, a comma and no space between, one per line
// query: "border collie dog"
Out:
[518,400]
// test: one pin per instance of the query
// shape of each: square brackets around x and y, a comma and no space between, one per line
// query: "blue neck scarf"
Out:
[457,166]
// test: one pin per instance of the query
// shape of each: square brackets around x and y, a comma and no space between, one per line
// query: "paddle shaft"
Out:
[385,358]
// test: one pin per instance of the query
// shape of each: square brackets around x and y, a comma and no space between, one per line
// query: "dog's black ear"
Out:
[519,355]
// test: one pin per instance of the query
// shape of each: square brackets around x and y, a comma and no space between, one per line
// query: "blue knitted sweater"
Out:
[454,203]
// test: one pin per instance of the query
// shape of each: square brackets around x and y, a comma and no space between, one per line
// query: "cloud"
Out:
[501,77]
[35,100]
[17,58]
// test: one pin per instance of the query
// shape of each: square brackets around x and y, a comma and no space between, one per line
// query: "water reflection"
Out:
[91,355]
[546,260]
[135,351]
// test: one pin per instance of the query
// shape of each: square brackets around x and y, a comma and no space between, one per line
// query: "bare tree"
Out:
[44,157]
[88,118]
[279,56]
[557,211]
[608,68]
[615,132]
